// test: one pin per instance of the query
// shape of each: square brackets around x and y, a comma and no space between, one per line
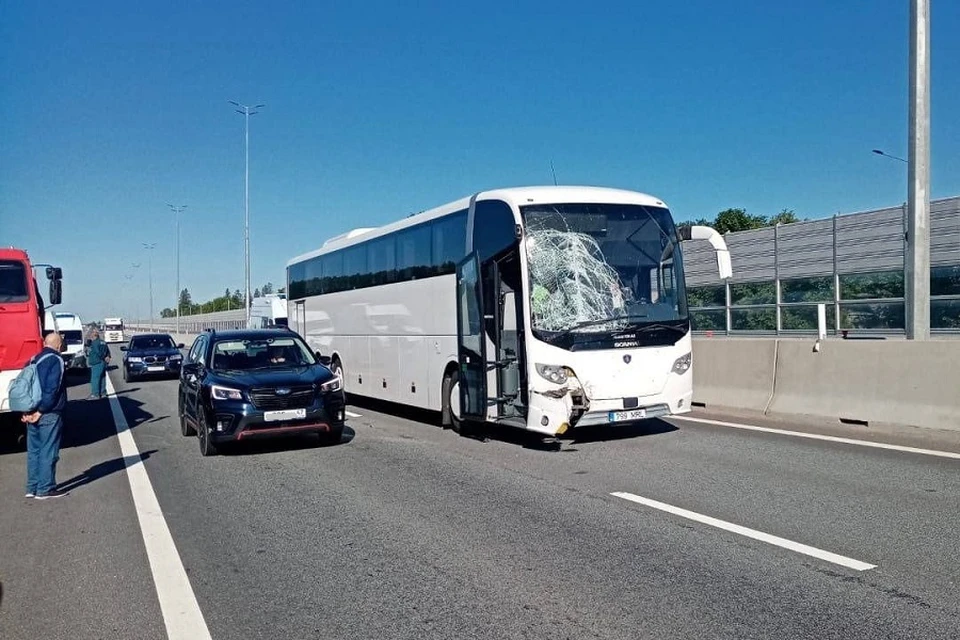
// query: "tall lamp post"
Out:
[135,266]
[150,246]
[917,276]
[177,210]
[246,112]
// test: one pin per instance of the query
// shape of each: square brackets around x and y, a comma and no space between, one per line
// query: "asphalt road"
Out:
[404,530]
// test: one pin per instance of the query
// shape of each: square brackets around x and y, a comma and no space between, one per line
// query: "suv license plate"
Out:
[289,414]
[626,416]
[156,368]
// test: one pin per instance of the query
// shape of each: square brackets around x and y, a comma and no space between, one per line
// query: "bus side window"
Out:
[494,228]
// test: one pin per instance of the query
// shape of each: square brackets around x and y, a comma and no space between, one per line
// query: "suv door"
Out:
[190,379]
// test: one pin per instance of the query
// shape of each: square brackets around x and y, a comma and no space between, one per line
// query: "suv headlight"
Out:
[554,373]
[682,364]
[134,359]
[331,385]
[225,393]
[176,357]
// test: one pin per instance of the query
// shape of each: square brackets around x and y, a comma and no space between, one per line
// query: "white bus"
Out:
[543,308]
[113,330]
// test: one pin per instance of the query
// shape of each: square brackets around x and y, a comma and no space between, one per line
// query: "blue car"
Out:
[151,354]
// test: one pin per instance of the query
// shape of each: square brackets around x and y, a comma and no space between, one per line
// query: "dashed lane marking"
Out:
[749,533]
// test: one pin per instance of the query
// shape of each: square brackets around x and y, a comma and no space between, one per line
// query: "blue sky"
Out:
[375,110]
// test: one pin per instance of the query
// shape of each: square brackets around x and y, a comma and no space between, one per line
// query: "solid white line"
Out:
[178,604]
[351,414]
[816,436]
[750,533]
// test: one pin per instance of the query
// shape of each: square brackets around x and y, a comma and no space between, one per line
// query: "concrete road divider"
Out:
[897,382]
[883,381]
[735,374]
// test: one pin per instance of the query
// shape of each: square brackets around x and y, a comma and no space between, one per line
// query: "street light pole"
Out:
[246,111]
[917,260]
[150,246]
[177,211]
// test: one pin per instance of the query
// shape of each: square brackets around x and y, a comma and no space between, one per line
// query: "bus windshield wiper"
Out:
[590,323]
[658,325]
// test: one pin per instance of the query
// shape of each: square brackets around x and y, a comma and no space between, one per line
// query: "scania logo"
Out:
[283,392]
[627,358]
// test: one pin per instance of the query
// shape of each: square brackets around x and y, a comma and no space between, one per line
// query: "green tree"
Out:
[186,302]
[267,289]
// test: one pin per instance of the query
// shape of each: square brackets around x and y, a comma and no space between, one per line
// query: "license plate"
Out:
[626,416]
[156,368]
[289,414]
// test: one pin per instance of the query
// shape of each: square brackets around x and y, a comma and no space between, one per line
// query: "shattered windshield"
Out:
[597,268]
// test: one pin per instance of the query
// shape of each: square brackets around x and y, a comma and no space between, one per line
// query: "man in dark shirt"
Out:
[45,424]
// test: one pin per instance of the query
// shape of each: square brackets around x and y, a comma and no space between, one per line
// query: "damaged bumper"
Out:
[556,411]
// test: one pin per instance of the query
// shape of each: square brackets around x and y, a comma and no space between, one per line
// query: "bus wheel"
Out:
[449,417]
[337,369]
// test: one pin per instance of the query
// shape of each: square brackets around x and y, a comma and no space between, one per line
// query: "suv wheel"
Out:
[185,428]
[207,448]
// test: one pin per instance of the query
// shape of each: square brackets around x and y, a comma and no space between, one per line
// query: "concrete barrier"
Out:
[734,374]
[895,382]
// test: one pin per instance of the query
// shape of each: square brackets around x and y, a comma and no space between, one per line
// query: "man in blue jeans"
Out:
[45,423]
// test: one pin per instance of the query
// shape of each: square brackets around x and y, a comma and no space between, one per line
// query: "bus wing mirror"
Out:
[54,273]
[56,292]
[698,232]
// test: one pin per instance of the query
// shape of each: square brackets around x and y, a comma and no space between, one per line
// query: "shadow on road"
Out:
[527,439]
[102,470]
[289,443]
[90,421]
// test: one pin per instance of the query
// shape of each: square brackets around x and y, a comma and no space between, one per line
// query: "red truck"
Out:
[21,322]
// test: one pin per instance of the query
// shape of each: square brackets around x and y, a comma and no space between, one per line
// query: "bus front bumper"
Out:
[558,415]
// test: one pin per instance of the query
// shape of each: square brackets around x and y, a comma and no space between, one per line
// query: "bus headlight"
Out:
[682,364]
[552,372]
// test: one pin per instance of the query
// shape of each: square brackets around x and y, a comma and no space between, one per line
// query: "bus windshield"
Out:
[601,268]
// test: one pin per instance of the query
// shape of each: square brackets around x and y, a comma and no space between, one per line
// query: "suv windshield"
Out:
[13,282]
[600,268]
[244,354]
[152,342]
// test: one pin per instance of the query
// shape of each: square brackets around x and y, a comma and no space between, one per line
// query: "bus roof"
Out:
[517,196]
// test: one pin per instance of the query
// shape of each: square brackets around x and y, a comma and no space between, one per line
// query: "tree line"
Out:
[226,302]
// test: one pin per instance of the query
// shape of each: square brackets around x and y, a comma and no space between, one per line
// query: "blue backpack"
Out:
[25,391]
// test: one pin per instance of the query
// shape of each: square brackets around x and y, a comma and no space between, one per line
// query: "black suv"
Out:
[239,385]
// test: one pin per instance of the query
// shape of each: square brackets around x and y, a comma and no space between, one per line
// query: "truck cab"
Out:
[23,323]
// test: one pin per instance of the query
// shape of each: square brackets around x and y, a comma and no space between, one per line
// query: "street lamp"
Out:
[881,153]
[177,211]
[150,246]
[135,266]
[246,112]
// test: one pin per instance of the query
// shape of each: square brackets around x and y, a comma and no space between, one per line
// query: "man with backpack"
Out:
[45,422]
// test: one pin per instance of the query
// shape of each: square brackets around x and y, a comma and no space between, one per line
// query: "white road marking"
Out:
[816,436]
[178,604]
[351,414]
[750,533]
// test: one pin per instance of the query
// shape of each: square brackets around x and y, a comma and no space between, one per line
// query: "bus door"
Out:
[490,350]
[471,345]
[300,317]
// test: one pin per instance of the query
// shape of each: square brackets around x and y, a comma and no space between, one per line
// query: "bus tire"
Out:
[336,368]
[448,418]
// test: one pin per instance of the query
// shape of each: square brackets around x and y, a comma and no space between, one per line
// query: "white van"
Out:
[71,329]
